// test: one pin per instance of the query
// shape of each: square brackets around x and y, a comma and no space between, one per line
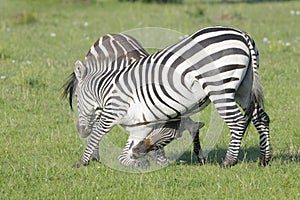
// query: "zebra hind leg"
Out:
[237,124]
[261,122]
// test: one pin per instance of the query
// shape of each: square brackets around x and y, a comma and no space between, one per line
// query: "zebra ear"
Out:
[79,70]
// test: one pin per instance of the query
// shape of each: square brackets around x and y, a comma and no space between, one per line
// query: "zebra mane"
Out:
[69,88]
[134,51]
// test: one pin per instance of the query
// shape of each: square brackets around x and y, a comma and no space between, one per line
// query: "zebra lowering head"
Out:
[215,64]
[116,51]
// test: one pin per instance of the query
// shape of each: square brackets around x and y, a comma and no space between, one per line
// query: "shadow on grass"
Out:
[287,157]
[246,155]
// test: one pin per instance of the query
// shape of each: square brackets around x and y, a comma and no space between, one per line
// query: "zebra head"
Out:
[85,101]
[78,86]
[109,54]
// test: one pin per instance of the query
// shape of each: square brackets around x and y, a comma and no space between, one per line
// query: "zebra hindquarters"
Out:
[249,96]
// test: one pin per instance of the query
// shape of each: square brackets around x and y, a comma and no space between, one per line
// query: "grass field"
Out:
[41,40]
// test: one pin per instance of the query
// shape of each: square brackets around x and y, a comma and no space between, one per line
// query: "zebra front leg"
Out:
[96,136]
[94,157]
[261,122]
[85,158]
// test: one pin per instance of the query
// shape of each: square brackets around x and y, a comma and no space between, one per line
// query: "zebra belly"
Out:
[155,103]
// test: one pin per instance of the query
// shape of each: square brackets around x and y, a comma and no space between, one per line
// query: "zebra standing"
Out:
[114,50]
[119,51]
[215,64]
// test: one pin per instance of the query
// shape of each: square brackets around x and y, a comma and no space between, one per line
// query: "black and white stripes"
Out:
[215,64]
[117,51]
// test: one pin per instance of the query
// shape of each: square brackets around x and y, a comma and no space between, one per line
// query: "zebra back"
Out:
[117,49]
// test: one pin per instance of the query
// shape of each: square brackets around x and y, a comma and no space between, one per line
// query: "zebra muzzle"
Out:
[83,130]
[142,148]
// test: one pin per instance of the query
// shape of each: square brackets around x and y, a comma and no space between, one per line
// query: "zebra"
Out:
[120,50]
[215,64]
[164,134]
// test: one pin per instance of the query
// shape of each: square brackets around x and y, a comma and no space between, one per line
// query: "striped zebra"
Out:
[165,133]
[215,64]
[111,49]
[162,134]
[119,51]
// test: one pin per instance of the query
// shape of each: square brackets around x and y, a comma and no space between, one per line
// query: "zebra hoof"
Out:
[264,161]
[95,157]
[79,163]
[228,163]
[202,160]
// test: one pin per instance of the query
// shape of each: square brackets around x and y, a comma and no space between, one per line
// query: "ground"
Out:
[39,44]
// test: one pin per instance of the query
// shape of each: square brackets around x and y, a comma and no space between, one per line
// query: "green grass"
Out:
[39,43]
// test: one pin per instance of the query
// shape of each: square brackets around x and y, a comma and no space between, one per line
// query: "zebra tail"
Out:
[256,96]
